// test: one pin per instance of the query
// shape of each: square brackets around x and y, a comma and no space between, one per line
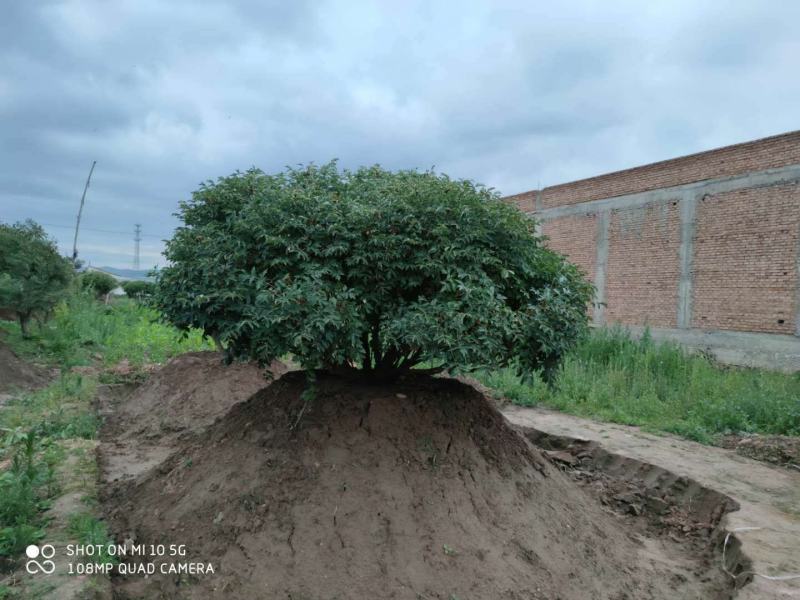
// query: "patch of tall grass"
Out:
[27,482]
[83,330]
[88,530]
[31,427]
[61,410]
[36,426]
[659,386]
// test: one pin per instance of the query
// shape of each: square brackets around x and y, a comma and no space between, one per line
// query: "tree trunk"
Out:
[218,344]
[24,319]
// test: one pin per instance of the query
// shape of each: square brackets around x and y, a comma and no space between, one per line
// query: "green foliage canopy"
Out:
[138,289]
[33,276]
[371,270]
[99,283]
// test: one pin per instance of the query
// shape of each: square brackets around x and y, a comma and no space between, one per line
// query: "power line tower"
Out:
[137,238]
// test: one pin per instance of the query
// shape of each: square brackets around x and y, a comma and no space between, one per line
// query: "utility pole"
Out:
[80,212]
[137,237]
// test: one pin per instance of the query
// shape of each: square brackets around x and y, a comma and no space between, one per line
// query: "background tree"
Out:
[100,284]
[33,276]
[369,270]
[138,290]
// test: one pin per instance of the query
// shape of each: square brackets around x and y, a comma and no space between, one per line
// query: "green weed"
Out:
[32,424]
[90,531]
[25,487]
[661,387]
[60,410]
[9,593]
[84,330]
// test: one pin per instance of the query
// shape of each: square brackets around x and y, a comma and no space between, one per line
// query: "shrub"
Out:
[100,284]
[138,290]
[33,276]
[372,270]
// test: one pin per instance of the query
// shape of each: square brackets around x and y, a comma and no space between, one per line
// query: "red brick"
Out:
[745,260]
[576,238]
[643,265]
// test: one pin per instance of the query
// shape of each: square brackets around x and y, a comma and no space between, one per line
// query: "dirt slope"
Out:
[189,393]
[420,491]
[143,427]
[15,373]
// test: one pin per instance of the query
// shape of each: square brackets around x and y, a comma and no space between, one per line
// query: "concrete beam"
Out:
[685,254]
[797,290]
[600,265]
[766,178]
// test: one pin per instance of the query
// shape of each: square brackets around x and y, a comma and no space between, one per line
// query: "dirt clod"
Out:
[780,450]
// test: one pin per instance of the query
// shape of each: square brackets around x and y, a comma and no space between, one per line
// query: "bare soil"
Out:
[17,374]
[418,490]
[765,530]
[143,425]
[782,450]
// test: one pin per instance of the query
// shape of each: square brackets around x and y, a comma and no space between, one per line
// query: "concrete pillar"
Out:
[685,253]
[797,290]
[600,263]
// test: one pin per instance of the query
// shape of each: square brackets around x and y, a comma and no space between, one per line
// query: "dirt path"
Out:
[769,497]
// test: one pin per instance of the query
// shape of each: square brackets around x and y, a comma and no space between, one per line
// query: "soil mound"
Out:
[416,490]
[189,393]
[180,400]
[16,374]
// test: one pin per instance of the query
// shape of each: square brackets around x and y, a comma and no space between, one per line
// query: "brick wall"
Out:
[643,266]
[579,249]
[526,201]
[720,254]
[745,260]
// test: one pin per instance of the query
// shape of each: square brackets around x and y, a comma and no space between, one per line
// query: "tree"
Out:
[33,276]
[369,270]
[100,284]
[138,290]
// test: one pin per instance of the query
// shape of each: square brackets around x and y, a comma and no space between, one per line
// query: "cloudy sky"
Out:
[512,94]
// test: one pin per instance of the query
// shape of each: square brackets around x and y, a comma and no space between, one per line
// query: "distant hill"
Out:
[126,273]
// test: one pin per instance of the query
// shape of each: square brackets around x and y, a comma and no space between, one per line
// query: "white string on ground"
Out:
[769,577]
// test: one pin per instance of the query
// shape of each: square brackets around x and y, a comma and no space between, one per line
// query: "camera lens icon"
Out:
[33,552]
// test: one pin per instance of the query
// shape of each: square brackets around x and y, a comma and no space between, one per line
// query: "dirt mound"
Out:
[143,426]
[189,393]
[417,490]
[16,374]
[781,450]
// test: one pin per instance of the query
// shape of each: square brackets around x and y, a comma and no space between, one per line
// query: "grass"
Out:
[34,426]
[61,410]
[90,531]
[38,428]
[84,331]
[660,387]
[25,489]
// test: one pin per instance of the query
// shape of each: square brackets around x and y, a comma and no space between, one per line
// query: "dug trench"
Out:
[417,490]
